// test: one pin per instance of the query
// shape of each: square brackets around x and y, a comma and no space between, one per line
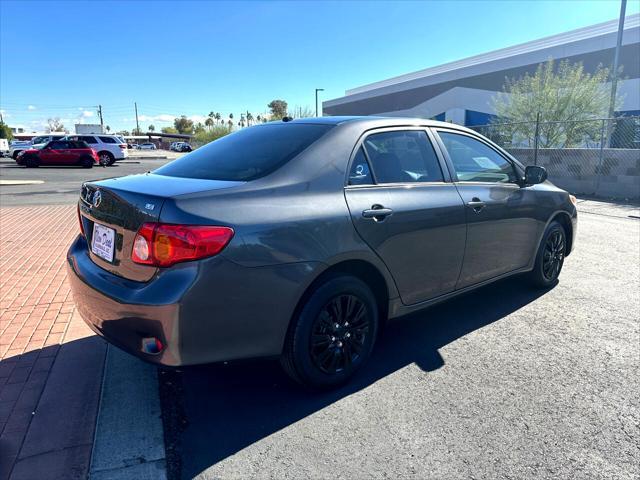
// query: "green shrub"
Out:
[209,135]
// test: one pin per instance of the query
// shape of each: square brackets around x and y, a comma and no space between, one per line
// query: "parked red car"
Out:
[59,152]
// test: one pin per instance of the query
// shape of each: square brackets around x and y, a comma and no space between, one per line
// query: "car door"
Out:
[405,207]
[501,217]
[54,153]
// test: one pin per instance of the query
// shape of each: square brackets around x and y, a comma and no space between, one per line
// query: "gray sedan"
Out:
[298,239]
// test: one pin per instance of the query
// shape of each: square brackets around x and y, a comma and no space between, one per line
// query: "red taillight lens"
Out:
[123,146]
[80,220]
[163,245]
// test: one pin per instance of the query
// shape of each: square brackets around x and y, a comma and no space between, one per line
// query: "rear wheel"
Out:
[31,161]
[550,257]
[333,334]
[86,162]
[106,159]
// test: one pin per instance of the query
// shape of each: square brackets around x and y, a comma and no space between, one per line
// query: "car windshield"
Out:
[248,154]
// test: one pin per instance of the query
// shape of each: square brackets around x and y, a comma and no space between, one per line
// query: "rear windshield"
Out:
[247,154]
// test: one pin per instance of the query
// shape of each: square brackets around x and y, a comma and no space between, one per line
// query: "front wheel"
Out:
[550,257]
[31,161]
[86,162]
[333,334]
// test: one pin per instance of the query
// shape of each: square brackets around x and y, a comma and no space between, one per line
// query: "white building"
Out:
[462,91]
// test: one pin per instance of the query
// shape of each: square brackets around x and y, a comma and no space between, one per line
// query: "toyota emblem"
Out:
[97,198]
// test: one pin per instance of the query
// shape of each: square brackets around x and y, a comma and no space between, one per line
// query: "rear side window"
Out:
[88,139]
[360,173]
[78,144]
[403,157]
[246,155]
[107,140]
[58,145]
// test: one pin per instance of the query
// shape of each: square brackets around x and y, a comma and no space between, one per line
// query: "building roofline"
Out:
[584,33]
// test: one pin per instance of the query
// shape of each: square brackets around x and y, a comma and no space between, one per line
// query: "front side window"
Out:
[247,154]
[58,145]
[360,173]
[403,157]
[474,161]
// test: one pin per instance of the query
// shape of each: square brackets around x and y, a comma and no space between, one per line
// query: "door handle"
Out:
[377,212]
[476,204]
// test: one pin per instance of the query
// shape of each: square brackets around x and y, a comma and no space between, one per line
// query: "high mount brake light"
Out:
[163,245]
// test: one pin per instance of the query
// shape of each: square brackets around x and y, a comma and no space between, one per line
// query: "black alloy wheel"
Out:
[553,255]
[339,334]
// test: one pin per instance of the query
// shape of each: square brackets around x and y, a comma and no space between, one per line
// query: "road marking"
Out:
[21,182]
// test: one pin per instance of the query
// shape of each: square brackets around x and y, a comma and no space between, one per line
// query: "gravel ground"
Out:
[504,382]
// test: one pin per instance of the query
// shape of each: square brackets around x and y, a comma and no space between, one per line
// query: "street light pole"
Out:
[318,90]
[614,71]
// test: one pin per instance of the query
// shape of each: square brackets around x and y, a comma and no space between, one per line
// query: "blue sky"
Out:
[60,59]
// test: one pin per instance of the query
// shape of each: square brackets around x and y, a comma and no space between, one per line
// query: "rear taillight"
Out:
[163,245]
[80,220]
[123,146]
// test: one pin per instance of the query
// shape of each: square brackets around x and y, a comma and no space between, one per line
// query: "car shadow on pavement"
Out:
[229,407]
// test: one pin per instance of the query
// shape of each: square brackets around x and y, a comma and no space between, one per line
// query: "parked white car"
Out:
[4,147]
[148,146]
[110,148]
[17,146]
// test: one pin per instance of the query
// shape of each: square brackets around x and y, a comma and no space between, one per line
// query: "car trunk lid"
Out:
[120,206]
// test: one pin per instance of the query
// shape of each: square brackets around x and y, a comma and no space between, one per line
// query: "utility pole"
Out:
[318,90]
[135,104]
[100,114]
[614,70]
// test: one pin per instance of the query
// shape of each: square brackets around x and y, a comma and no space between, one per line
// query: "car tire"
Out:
[323,350]
[550,257]
[86,162]
[31,161]
[15,154]
[106,159]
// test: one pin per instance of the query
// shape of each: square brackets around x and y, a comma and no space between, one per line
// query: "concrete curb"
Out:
[129,440]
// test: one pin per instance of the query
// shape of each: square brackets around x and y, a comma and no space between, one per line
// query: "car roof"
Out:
[373,122]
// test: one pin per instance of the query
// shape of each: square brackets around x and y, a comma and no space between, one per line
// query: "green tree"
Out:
[218,117]
[210,135]
[169,130]
[5,131]
[183,125]
[230,123]
[561,96]
[136,131]
[124,133]
[108,128]
[151,128]
[209,122]
[199,127]
[249,118]
[278,109]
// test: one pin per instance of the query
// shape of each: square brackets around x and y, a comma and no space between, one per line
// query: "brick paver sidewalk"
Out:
[37,315]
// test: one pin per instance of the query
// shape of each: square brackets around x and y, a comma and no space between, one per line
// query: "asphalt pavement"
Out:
[504,382]
[21,186]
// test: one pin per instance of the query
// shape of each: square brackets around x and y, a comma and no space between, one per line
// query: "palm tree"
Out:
[211,115]
[249,118]
[218,117]
[108,128]
[230,123]
[209,121]
[151,128]
[259,118]
[231,116]
[242,120]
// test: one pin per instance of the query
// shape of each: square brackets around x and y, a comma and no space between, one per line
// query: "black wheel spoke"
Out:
[339,334]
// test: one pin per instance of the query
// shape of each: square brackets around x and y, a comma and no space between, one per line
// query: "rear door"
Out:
[405,207]
[501,215]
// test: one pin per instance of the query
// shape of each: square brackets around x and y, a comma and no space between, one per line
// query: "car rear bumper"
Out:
[202,312]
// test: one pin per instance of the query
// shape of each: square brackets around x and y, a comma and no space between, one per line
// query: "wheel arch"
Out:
[564,219]
[365,271]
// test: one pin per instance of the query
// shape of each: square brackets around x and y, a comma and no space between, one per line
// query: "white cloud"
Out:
[5,114]
[197,118]
[31,107]
[164,117]
[87,114]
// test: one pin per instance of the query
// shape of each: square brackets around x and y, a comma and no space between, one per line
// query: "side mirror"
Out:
[534,174]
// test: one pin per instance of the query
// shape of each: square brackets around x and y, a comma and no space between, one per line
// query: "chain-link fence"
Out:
[594,157]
